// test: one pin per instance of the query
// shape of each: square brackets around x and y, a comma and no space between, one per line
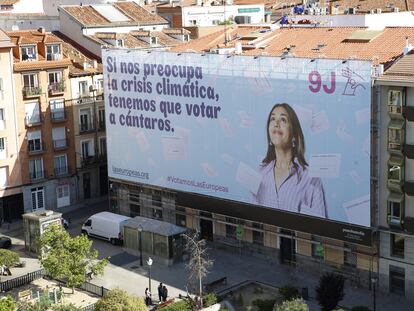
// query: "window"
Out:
[32,113]
[186,38]
[134,210]
[2,119]
[34,140]
[157,213]
[230,231]
[119,42]
[192,22]
[397,245]
[85,120]
[257,237]
[154,40]
[156,200]
[83,89]
[395,135]
[3,176]
[62,195]
[350,257]
[102,146]
[100,84]
[180,220]
[3,154]
[60,163]
[55,77]
[30,80]
[28,53]
[395,171]
[36,169]
[53,52]
[37,198]
[57,109]
[397,280]
[395,209]
[395,101]
[101,118]
[87,149]
[59,137]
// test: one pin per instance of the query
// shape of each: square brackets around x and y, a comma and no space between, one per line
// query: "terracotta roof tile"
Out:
[41,65]
[8,2]
[401,71]
[139,14]
[86,15]
[384,48]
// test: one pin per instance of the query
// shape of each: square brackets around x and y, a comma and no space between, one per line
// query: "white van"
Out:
[105,225]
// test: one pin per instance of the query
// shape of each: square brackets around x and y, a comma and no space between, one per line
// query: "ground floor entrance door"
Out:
[206,229]
[287,247]
[86,185]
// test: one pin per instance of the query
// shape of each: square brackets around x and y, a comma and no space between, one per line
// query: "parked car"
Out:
[5,242]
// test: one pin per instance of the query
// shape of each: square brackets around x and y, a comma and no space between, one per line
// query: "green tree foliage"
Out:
[181,305]
[7,304]
[293,305]
[120,300]
[42,305]
[264,304]
[360,308]
[66,307]
[330,291]
[288,292]
[8,258]
[209,300]
[67,258]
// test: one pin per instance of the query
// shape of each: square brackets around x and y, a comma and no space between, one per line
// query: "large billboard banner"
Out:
[291,134]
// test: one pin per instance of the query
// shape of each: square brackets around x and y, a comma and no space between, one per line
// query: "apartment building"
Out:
[86,100]
[396,219]
[11,198]
[310,249]
[44,120]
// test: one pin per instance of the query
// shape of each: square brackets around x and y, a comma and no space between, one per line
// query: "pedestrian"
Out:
[148,301]
[164,293]
[160,290]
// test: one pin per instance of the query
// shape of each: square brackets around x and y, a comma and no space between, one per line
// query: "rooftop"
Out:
[400,72]
[320,42]
[112,14]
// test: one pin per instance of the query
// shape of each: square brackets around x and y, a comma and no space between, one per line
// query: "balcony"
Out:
[396,111]
[33,120]
[57,88]
[62,170]
[88,161]
[58,116]
[60,144]
[37,175]
[395,222]
[86,127]
[32,91]
[36,147]
[101,125]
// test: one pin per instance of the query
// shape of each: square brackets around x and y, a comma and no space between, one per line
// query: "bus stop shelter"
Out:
[159,239]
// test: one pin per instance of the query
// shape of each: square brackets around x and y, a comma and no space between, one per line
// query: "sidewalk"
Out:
[15,228]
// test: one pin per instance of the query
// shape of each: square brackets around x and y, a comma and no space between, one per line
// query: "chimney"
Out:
[408,47]
[42,30]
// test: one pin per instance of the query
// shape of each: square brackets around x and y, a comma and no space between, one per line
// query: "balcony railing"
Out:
[58,115]
[57,88]
[33,120]
[36,147]
[62,170]
[32,91]
[89,160]
[37,175]
[59,144]
[101,125]
[86,127]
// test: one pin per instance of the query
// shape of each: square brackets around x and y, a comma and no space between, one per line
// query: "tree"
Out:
[293,305]
[8,258]
[199,263]
[7,304]
[330,291]
[118,299]
[67,258]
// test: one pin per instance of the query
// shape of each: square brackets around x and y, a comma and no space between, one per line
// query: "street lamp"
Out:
[140,244]
[149,263]
[374,282]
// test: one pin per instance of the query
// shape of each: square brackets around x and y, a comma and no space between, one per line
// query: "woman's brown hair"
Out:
[297,134]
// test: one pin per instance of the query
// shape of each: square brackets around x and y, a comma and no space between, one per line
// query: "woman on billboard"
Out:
[285,181]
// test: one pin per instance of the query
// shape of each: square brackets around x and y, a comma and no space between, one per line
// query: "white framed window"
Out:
[38,198]
[63,195]
[85,119]
[53,52]
[34,141]
[101,117]
[395,101]
[55,77]
[87,148]
[32,112]
[59,137]
[2,119]
[60,163]
[36,169]
[3,176]
[28,53]
[3,148]
[100,84]
[30,80]
[57,109]
[83,89]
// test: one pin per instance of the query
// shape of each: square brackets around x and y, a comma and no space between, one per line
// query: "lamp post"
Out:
[140,244]
[374,282]
[149,263]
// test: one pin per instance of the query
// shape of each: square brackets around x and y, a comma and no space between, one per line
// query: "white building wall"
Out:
[374,21]
[205,15]
[126,29]
[26,7]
